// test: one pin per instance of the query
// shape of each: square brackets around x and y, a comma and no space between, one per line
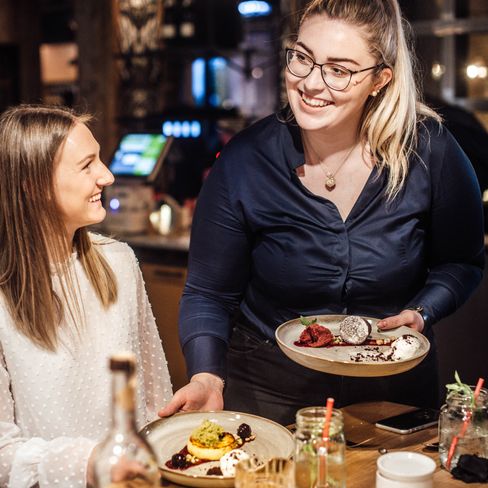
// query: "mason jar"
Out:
[309,443]
[457,412]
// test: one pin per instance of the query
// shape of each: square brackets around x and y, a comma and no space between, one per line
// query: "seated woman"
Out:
[68,300]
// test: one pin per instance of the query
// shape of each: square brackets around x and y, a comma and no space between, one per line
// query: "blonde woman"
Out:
[354,200]
[68,299]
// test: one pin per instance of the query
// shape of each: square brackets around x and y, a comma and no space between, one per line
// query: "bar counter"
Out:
[179,242]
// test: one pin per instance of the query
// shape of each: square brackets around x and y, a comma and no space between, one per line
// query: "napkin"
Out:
[471,469]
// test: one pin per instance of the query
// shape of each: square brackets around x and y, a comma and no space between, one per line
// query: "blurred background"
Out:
[197,71]
[202,69]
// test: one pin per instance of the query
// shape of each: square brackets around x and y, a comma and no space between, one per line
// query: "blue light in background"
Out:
[184,129]
[217,67]
[176,128]
[196,128]
[254,8]
[217,63]
[168,128]
[198,81]
[114,204]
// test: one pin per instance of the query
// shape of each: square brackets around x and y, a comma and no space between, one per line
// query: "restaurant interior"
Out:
[192,73]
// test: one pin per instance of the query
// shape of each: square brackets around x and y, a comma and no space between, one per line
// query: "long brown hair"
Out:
[33,239]
[389,121]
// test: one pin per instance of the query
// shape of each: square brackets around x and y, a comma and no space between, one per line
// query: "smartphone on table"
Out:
[409,422]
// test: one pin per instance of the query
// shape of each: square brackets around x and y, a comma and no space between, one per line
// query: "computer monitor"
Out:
[139,156]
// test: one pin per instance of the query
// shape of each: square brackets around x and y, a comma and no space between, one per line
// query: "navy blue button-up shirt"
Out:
[262,242]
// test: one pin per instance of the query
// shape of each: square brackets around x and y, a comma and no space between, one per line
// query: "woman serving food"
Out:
[353,200]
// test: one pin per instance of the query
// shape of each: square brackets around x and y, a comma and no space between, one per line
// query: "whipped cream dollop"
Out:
[404,347]
[228,461]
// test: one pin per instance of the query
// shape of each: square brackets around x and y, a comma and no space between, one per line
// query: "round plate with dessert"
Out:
[202,448]
[351,345]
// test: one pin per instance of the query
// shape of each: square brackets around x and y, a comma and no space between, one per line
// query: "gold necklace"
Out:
[330,181]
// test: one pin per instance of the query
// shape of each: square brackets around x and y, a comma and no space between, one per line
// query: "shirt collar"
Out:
[294,157]
[291,143]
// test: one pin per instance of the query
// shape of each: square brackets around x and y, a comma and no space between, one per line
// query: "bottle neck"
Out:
[123,402]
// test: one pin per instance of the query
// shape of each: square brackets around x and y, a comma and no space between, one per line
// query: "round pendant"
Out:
[330,183]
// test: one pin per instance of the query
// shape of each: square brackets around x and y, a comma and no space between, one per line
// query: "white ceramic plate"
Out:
[337,360]
[168,436]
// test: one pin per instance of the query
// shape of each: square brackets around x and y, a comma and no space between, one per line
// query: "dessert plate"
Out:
[170,435]
[339,359]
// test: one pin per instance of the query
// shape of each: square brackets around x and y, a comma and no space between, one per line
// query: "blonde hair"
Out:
[390,120]
[33,239]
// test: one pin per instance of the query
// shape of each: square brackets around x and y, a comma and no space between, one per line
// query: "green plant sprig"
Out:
[306,322]
[460,389]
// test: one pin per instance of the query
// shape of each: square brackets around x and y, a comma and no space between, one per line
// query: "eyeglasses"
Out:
[335,76]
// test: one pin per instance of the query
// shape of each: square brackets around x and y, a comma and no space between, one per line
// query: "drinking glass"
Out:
[276,473]
[319,463]
[459,417]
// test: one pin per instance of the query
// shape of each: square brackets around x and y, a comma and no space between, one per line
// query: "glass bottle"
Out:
[309,443]
[457,415]
[124,458]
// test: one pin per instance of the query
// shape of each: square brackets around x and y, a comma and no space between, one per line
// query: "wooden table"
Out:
[359,425]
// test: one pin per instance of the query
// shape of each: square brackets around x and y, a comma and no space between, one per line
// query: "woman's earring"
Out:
[374,93]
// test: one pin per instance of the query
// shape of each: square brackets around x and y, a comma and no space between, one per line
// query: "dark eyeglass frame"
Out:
[313,64]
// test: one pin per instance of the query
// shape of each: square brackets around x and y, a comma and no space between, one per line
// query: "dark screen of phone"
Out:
[412,419]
